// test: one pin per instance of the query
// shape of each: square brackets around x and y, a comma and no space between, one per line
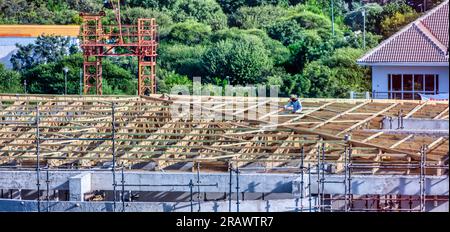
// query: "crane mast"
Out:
[115,5]
[98,41]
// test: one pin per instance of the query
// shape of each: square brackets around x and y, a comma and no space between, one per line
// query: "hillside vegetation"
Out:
[289,43]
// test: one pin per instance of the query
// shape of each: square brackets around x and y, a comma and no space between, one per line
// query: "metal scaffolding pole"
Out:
[230,168]
[346,206]
[349,175]
[322,179]
[122,194]
[309,187]
[113,135]
[38,168]
[237,189]
[319,200]
[47,181]
[422,180]
[191,190]
[198,186]
[302,169]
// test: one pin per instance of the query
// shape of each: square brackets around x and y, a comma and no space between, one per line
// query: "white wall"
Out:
[380,75]
[8,47]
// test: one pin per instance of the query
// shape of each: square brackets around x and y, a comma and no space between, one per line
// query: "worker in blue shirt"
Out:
[294,105]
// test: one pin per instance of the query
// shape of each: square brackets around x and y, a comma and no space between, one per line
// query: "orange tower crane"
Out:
[98,41]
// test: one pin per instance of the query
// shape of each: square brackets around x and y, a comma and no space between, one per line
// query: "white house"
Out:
[414,60]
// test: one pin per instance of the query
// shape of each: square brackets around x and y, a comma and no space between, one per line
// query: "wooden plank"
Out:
[372,136]
[441,114]
[341,114]
[368,119]
[270,113]
[251,107]
[310,112]
[435,142]
[417,108]
[401,141]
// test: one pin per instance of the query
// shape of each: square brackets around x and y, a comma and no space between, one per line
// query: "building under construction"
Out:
[123,154]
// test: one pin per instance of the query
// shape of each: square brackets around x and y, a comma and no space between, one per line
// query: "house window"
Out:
[408,86]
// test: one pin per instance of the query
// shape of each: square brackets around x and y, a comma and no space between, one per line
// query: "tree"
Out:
[46,49]
[12,8]
[290,84]
[169,79]
[9,81]
[336,75]
[48,78]
[374,14]
[183,59]
[122,82]
[350,75]
[204,11]
[355,40]
[154,4]
[396,14]
[189,32]
[394,23]
[310,20]
[131,15]
[285,31]
[244,61]
[311,46]
[323,84]
[276,51]
[257,17]
[230,6]
[87,6]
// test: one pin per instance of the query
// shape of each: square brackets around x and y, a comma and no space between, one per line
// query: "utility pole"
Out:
[332,16]
[364,27]
[66,70]
[25,85]
[81,81]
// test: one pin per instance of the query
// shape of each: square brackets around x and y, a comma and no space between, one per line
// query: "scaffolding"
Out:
[99,41]
[67,126]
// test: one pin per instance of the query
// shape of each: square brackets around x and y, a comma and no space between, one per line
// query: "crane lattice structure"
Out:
[98,41]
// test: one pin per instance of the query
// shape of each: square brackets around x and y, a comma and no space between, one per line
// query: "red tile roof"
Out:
[424,40]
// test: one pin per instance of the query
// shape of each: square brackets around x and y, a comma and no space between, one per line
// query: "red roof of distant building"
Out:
[423,41]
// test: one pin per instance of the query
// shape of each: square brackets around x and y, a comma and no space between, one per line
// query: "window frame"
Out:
[400,94]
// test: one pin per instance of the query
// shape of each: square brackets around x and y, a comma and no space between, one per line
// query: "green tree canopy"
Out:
[183,59]
[204,11]
[243,61]
[10,81]
[46,49]
[258,17]
[189,32]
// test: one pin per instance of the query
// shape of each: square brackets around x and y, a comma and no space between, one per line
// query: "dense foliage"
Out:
[290,43]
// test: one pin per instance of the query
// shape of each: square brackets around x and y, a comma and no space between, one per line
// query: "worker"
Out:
[294,105]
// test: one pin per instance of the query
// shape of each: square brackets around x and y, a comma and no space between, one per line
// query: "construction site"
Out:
[192,153]
[103,153]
